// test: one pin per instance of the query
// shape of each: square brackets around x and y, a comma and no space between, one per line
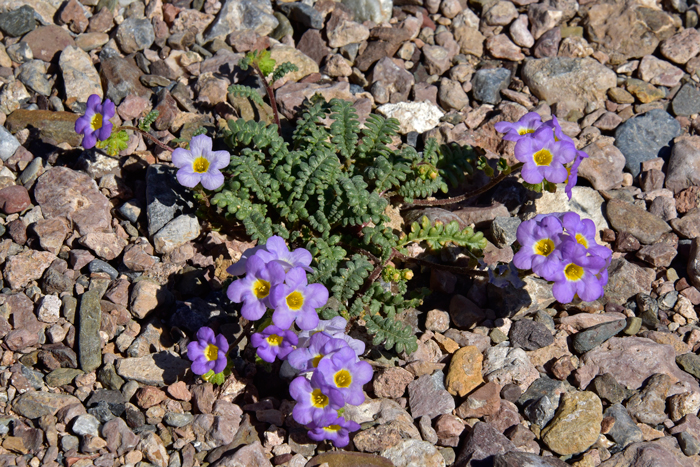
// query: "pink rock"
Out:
[14,199]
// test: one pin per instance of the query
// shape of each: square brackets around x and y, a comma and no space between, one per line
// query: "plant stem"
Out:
[443,202]
[270,95]
[149,136]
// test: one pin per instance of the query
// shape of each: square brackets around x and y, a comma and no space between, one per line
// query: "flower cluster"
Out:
[95,125]
[544,150]
[331,374]
[561,248]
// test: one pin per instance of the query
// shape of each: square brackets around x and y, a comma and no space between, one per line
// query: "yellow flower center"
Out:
[261,288]
[333,428]
[343,379]
[525,131]
[544,247]
[295,300]
[96,122]
[543,157]
[582,240]
[318,399]
[200,165]
[211,352]
[573,272]
[315,360]
[274,339]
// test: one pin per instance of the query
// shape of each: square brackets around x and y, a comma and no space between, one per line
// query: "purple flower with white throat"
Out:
[344,372]
[334,429]
[255,288]
[95,125]
[274,342]
[523,128]
[315,403]
[276,250]
[538,241]
[320,346]
[543,157]
[296,300]
[208,352]
[583,232]
[200,164]
[578,274]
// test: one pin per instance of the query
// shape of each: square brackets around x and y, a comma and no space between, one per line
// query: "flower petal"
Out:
[212,180]
[200,145]
[187,178]
[219,159]
[182,157]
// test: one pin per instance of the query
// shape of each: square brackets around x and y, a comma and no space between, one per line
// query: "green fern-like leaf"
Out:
[439,235]
[378,132]
[147,121]
[387,173]
[247,92]
[258,227]
[345,127]
[282,70]
[350,278]
[392,333]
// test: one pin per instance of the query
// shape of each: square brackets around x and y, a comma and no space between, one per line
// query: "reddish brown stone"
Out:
[148,396]
[484,401]
[14,199]
[48,42]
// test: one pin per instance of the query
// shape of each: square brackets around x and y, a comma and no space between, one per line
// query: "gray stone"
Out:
[687,100]
[649,405]
[165,197]
[690,363]
[626,217]
[625,431]
[178,420]
[414,452]
[33,75]
[80,78]
[86,425]
[526,459]
[481,444]
[156,369]
[694,263]
[8,144]
[542,410]
[684,165]
[609,389]
[35,404]
[97,265]
[646,137]
[241,15]
[61,376]
[487,84]
[689,444]
[504,230]
[378,11]
[177,232]
[89,319]
[18,22]
[135,34]
[131,210]
[594,336]
[302,13]
[530,335]
[427,396]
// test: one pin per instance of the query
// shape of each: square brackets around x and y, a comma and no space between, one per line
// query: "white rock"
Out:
[49,309]
[412,452]
[520,33]
[413,116]
[504,365]
[177,232]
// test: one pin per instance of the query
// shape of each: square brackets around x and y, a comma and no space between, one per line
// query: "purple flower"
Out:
[523,128]
[254,289]
[335,328]
[314,402]
[95,124]
[544,158]
[583,232]
[296,300]
[559,134]
[573,173]
[320,345]
[343,371]
[200,164]
[538,241]
[577,274]
[274,342]
[334,429]
[208,352]
[238,268]
[276,250]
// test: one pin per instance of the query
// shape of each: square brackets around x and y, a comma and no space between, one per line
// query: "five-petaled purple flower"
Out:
[538,239]
[296,300]
[208,352]
[200,164]
[583,232]
[523,128]
[334,429]
[274,342]
[314,402]
[276,250]
[334,327]
[543,157]
[95,125]
[255,288]
[320,345]
[343,371]
[577,274]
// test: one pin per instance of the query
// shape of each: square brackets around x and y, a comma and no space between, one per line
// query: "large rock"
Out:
[481,444]
[121,77]
[576,425]
[26,267]
[632,360]
[506,365]
[157,369]
[626,280]
[626,217]
[646,137]
[58,127]
[80,78]
[427,396]
[604,165]
[47,42]
[89,320]
[662,452]
[242,15]
[414,452]
[62,192]
[35,404]
[305,64]
[175,233]
[378,11]
[413,116]
[627,29]
[576,83]
[165,197]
